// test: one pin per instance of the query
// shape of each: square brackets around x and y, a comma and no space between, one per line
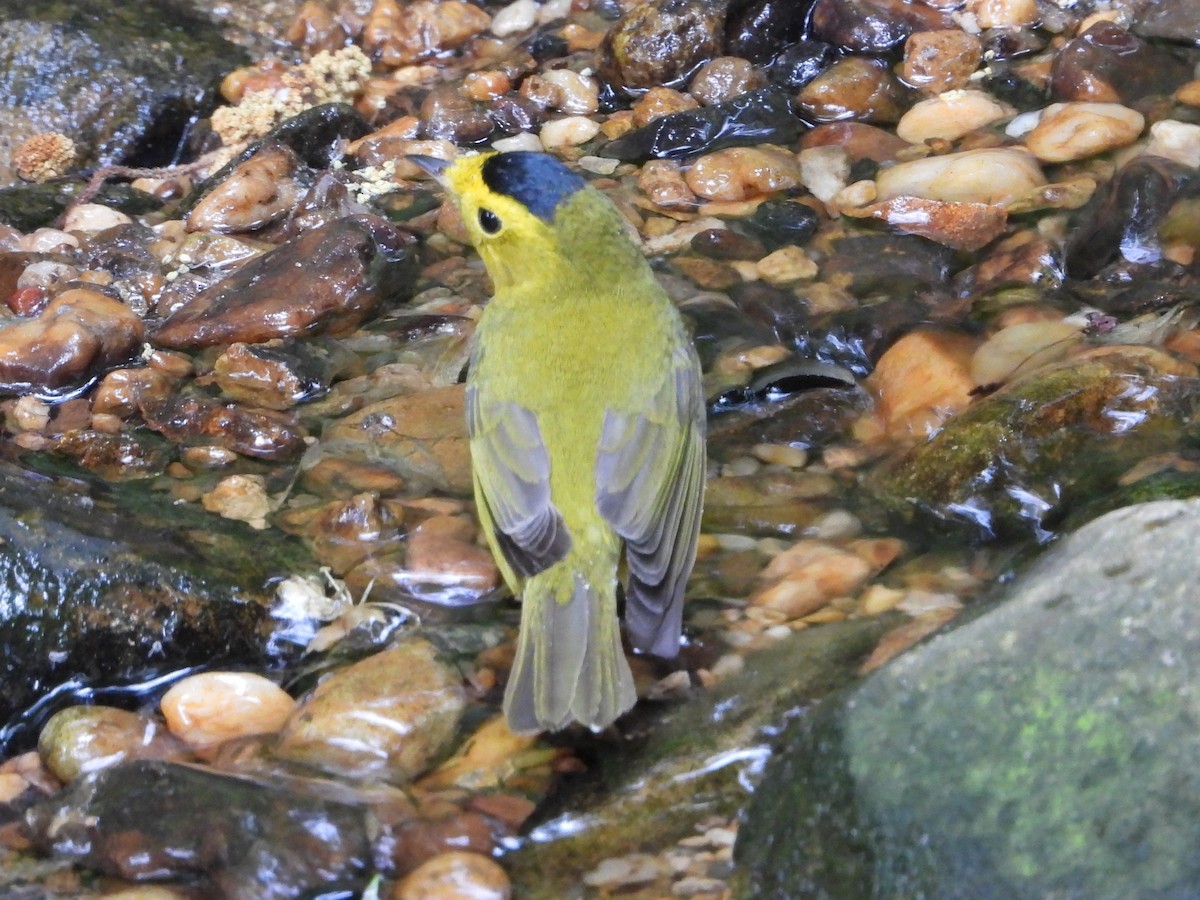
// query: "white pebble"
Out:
[47,240]
[213,707]
[519,16]
[523,141]
[598,165]
[950,116]
[568,132]
[838,523]
[1175,140]
[997,175]
[553,10]
[1023,124]
[824,171]
[578,94]
[93,217]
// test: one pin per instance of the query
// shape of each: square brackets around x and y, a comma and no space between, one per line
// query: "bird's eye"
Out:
[489,221]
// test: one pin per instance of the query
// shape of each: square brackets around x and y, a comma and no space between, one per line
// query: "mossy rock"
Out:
[1045,748]
[1017,461]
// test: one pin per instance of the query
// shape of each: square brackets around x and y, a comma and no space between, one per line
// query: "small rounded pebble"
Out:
[242,498]
[568,132]
[518,16]
[786,265]
[577,94]
[992,176]
[743,172]
[213,707]
[723,79]
[1003,13]
[92,217]
[1069,131]
[455,876]
[949,116]
[781,455]
[937,61]
[658,102]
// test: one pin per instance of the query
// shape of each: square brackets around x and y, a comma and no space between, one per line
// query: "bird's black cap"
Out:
[536,181]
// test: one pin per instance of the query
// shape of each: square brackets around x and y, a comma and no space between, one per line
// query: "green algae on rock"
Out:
[1015,461]
[1044,748]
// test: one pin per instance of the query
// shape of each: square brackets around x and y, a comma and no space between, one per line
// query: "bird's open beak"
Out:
[431,164]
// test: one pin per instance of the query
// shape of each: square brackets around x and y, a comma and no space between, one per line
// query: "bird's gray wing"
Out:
[511,467]
[650,472]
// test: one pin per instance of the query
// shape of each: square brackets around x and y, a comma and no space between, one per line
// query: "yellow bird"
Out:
[586,419]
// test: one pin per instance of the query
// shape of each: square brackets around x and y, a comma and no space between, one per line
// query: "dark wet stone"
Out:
[1011,43]
[1018,460]
[1006,85]
[1126,290]
[513,114]
[259,433]
[107,584]
[326,201]
[661,784]
[780,222]
[159,820]
[755,117]
[279,375]
[318,135]
[28,207]
[758,30]
[77,336]
[1172,20]
[125,82]
[1121,220]
[546,45]
[661,43]
[1040,749]
[121,250]
[447,115]
[719,325]
[363,261]
[1108,64]
[800,63]
[817,416]
[721,243]
[887,264]
[872,26]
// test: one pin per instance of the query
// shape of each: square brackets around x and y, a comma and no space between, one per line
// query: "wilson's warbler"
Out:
[586,418]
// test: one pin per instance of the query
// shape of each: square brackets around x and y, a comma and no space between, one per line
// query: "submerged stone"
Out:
[362,260]
[1043,748]
[155,820]
[108,584]
[661,43]
[1018,460]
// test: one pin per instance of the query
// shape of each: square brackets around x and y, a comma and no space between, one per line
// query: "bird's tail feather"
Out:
[569,664]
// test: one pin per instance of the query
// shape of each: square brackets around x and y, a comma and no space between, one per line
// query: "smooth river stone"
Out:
[998,176]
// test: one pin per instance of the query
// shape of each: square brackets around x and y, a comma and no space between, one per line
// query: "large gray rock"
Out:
[1047,748]
[125,81]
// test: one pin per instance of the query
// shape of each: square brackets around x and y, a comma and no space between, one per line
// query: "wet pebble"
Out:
[242,498]
[871,26]
[661,42]
[213,707]
[723,79]
[811,573]
[743,172]
[82,739]
[856,88]
[938,61]
[77,335]
[992,176]
[455,876]
[363,259]
[89,218]
[1021,348]
[255,193]
[922,380]
[1069,131]
[397,35]
[389,716]
[950,115]
[800,63]
[1107,64]
[568,132]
